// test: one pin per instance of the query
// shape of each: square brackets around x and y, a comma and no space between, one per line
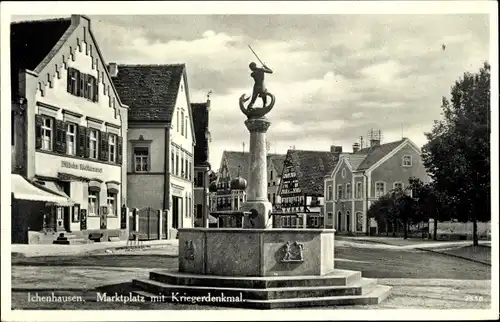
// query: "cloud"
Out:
[335,76]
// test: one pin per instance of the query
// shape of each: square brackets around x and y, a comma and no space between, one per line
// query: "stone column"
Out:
[257,202]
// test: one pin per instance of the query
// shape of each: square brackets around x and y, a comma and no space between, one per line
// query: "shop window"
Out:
[141,159]
[93,143]
[112,147]
[111,203]
[71,130]
[93,203]
[47,133]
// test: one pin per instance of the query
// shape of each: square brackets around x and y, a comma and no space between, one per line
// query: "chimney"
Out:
[355,147]
[336,149]
[113,69]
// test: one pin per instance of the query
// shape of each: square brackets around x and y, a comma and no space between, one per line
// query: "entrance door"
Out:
[175,212]
[339,221]
[67,213]
[348,218]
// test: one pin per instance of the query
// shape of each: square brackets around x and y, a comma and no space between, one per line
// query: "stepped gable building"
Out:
[68,132]
[364,175]
[301,189]
[161,138]
[202,167]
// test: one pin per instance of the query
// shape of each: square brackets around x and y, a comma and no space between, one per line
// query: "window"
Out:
[141,156]
[190,171]
[93,144]
[271,175]
[176,164]
[268,197]
[73,81]
[71,139]
[359,221]
[348,191]
[178,125]
[186,175]
[398,186]
[330,192]
[183,172]
[182,123]
[186,128]
[359,190]
[112,147]
[93,203]
[199,179]
[406,160]
[172,163]
[274,198]
[89,87]
[339,192]
[47,133]
[111,202]
[379,189]
[343,173]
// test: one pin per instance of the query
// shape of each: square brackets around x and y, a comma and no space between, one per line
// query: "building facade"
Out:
[235,164]
[202,167]
[301,188]
[69,129]
[161,138]
[363,176]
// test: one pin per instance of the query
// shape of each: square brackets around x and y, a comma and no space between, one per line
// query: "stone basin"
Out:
[256,252]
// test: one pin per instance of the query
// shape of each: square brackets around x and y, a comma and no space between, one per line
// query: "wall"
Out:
[156,151]
[392,170]
[145,191]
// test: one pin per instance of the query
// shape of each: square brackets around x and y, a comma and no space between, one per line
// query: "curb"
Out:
[453,255]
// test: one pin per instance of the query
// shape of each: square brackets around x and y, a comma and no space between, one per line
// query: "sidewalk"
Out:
[65,250]
[411,243]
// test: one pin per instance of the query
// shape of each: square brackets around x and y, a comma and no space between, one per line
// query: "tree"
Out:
[429,203]
[457,154]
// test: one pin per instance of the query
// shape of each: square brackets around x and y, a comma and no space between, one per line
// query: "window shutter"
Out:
[60,137]
[79,82]
[119,142]
[38,131]
[96,90]
[104,153]
[82,146]
[87,143]
[68,85]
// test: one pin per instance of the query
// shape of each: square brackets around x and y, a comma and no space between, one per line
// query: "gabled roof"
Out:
[150,91]
[235,159]
[31,42]
[278,161]
[376,153]
[200,121]
[311,168]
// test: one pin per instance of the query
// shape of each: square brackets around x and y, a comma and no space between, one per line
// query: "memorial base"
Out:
[260,268]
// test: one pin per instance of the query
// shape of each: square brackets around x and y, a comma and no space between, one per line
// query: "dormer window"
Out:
[406,161]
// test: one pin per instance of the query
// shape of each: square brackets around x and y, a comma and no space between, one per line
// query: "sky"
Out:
[335,76]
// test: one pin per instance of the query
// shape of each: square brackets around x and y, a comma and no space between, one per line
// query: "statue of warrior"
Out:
[259,88]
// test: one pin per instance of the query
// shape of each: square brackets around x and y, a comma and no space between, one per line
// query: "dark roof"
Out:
[278,160]
[150,91]
[31,42]
[200,123]
[235,159]
[375,153]
[311,168]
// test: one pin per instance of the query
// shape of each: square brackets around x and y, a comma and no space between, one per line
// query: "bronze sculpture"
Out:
[259,90]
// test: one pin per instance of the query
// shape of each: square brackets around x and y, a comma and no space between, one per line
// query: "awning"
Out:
[56,189]
[24,190]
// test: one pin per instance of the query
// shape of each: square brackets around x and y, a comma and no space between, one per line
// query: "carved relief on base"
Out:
[293,252]
[189,250]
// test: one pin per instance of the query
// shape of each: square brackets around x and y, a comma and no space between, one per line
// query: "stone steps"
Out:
[256,294]
[339,288]
[70,239]
[337,278]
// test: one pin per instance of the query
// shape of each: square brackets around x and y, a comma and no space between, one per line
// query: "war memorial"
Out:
[258,266]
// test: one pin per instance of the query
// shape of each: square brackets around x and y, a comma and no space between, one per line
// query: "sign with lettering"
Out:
[80,166]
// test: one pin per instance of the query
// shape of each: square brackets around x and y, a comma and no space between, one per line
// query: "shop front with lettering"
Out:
[94,188]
